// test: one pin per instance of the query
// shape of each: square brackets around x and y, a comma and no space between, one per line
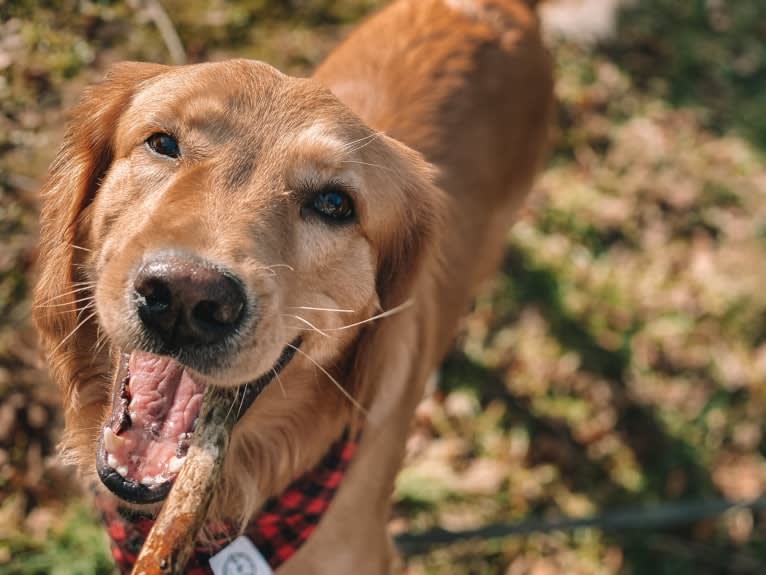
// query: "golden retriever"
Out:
[216,224]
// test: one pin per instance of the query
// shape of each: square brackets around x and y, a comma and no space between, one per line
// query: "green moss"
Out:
[76,544]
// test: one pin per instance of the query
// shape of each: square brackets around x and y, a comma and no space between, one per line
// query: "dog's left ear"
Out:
[409,259]
[409,245]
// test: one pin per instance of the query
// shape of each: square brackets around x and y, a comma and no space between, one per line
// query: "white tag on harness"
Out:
[240,557]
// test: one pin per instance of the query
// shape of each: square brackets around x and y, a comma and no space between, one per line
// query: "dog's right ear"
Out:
[72,183]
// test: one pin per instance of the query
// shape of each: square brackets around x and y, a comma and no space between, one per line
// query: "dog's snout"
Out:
[187,302]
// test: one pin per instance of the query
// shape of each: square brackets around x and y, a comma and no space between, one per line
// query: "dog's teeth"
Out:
[122,470]
[112,461]
[112,441]
[175,464]
[133,416]
[151,480]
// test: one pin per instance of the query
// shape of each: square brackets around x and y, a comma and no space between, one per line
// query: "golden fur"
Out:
[466,83]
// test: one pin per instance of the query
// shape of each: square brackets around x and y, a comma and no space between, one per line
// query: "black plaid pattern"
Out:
[280,528]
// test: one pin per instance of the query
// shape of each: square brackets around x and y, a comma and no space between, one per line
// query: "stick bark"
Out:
[171,541]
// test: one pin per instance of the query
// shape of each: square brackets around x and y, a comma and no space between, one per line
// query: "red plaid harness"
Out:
[278,531]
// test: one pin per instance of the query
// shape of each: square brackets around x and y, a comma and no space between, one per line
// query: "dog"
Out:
[222,224]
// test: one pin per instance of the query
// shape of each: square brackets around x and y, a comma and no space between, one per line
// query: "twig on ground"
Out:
[157,14]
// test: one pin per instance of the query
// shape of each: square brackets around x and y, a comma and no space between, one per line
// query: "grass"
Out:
[72,543]
[619,357]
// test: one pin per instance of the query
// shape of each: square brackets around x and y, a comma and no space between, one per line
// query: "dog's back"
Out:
[468,84]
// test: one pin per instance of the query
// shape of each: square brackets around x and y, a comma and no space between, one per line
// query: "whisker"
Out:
[365,141]
[72,292]
[279,381]
[367,164]
[40,306]
[233,402]
[272,266]
[321,308]
[348,396]
[71,333]
[241,403]
[307,322]
[353,143]
[387,313]
[101,341]
[80,248]
[88,306]
[78,287]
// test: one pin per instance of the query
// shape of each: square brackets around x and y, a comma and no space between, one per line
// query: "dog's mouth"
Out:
[155,407]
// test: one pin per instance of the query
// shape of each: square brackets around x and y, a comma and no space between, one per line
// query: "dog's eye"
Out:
[333,203]
[164,145]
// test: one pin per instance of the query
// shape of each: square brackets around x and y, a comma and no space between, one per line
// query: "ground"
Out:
[617,361]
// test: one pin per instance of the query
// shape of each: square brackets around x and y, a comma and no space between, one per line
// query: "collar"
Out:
[278,530]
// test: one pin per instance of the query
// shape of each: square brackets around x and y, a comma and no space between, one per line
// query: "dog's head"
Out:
[220,224]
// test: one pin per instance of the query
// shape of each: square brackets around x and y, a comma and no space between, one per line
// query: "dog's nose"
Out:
[186,301]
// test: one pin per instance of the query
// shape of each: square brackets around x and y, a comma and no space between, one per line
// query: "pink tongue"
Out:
[164,403]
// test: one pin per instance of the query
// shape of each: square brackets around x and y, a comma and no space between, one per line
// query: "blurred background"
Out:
[617,361]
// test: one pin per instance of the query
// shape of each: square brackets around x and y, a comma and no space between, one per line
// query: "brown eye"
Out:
[333,204]
[164,145]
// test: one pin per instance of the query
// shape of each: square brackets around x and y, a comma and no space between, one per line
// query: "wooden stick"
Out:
[171,541]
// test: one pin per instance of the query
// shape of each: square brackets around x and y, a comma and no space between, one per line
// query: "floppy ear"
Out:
[409,260]
[72,183]
[410,244]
